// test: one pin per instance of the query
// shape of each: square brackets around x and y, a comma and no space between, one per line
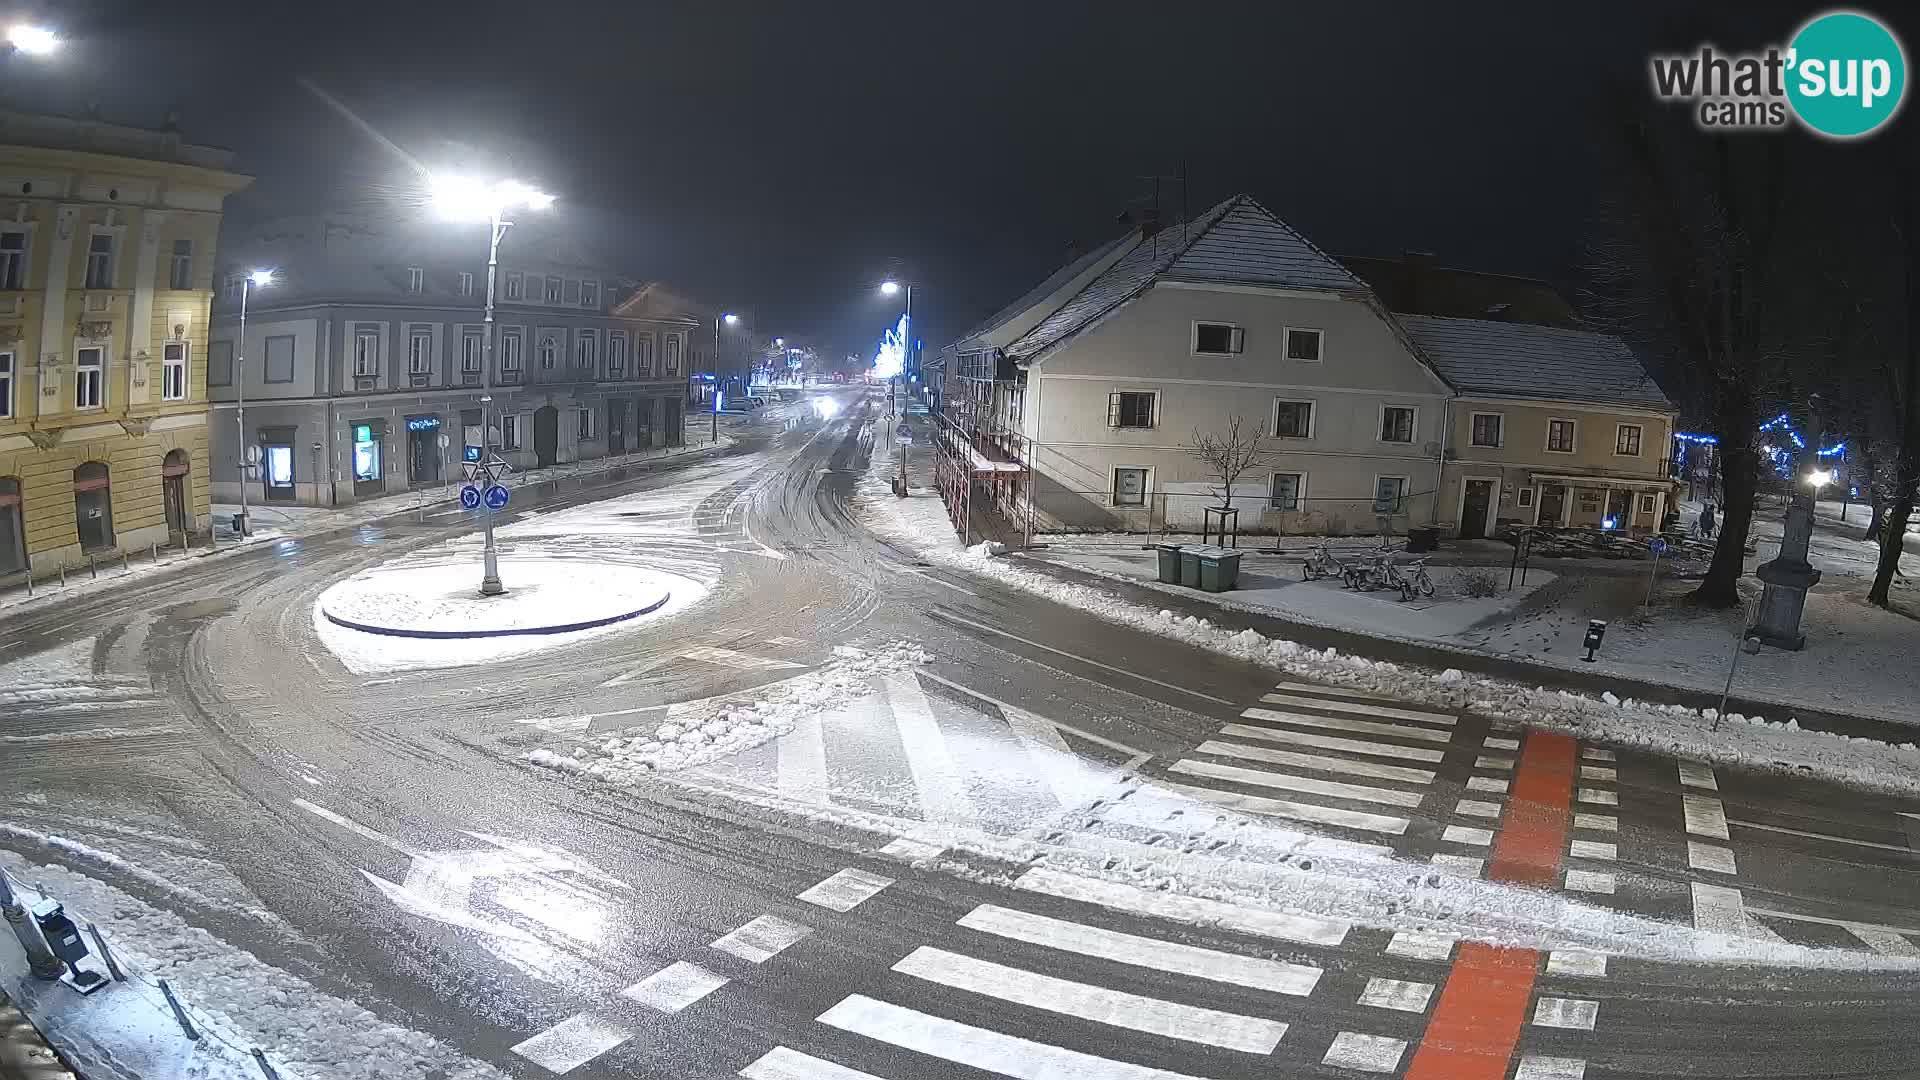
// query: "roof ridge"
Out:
[1302,237]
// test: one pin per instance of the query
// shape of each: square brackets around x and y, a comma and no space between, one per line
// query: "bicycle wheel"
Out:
[1426,585]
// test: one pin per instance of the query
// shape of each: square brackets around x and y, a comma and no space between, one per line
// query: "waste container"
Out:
[1169,563]
[1423,538]
[1219,570]
[1190,565]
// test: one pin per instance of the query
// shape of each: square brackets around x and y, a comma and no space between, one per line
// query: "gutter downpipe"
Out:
[1440,464]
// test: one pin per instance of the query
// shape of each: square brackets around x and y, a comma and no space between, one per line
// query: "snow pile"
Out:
[704,731]
[314,1034]
[446,597]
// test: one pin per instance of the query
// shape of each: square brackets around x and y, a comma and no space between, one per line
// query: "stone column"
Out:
[1787,576]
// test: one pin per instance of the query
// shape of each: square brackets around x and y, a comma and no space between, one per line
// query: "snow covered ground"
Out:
[138,566]
[446,598]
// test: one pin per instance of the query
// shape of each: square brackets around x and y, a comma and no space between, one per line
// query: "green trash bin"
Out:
[1219,570]
[1169,563]
[1190,565]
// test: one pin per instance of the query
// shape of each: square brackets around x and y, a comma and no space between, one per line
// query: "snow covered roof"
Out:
[1498,359]
[1237,242]
[1052,283]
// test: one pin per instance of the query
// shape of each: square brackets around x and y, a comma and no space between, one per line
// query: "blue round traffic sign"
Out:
[470,497]
[1658,544]
[496,497]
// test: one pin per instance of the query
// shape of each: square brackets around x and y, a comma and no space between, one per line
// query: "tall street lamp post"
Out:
[254,279]
[889,288]
[467,199]
[729,318]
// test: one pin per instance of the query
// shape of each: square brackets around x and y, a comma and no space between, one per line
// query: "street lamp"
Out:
[892,288]
[1819,478]
[33,40]
[464,198]
[719,382]
[251,280]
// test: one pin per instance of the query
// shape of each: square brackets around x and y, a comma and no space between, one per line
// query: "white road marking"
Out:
[1458,865]
[1502,744]
[1418,946]
[950,617]
[1592,849]
[1720,908]
[1587,965]
[1487,783]
[1704,816]
[1710,857]
[1365,1053]
[674,987]
[1854,927]
[1597,822]
[786,642]
[1598,797]
[845,890]
[1294,811]
[1477,808]
[1397,994]
[911,850]
[1011,711]
[801,762]
[781,1063]
[739,661]
[937,783]
[1461,834]
[762,939]
[1597,772]
[1360,708]
[991,1051]
[358,829]
[1342,723]
[1577,1014]
[1188,1023]
[1306,929]
[1594,753]
[1784,831]
[1698,774]
[1590,881]
[1316,761]
[1541,1067]
[1288,782]
[1488,761]
[1329,742]
[1884,941]
[1297,980]
[573,1042]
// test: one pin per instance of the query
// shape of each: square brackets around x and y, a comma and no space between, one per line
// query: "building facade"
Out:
[366,361]
[107,242]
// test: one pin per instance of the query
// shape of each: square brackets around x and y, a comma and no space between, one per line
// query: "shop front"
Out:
[424,457]
[276,463]
[369,457]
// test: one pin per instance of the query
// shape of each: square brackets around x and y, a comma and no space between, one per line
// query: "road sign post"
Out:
[1657,545]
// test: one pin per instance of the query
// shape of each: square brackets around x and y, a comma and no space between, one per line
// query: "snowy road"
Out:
[895,886]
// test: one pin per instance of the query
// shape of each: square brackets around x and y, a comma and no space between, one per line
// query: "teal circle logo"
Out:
[1848,74]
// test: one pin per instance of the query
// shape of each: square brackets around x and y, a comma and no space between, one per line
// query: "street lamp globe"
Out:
[466,198]
[888,288]
[33,40]
[1819,478]
[730,318]
[260,278]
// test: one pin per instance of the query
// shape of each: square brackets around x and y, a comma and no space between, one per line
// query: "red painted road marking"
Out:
[1476,1023]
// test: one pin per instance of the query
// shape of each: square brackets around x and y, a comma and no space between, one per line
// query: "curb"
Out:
[564,628]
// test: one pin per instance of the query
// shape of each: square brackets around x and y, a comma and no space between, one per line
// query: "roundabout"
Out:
[544,596]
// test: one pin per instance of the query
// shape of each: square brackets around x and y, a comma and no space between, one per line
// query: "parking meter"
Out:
[1596,630]
[64,939]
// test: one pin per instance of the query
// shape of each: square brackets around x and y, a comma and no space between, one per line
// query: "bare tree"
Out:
[1229,453]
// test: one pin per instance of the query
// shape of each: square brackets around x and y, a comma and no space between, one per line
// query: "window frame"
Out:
[553,289]
[1524,497]
[7,373]
[179,260]
[1286,344]
[1299,492]
[89,279]
[366,354]
[1146,487]
[169,366]
[1500,435]
[419,359]
[509,422]
[1313,417]
[416,280]
[516,286]
[1116,410]
[476,338]
[1236,338]
[20,259]
[1645,503]
[1573,435]
[466,283]
[590,293]
[643,354]
[586,426]
[670,354]
[516,354]
[589,358]
[99,381]
[266,358]
[548,358]
[1400,499]
[1413,425]
[616,358]
[1639,438]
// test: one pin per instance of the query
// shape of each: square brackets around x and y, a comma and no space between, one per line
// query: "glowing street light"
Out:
[251,280]
[889,288]
[1819,478]
[730,319]
[465,198]
[33,40]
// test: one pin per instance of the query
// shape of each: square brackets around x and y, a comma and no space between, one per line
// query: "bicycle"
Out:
[1323,563]
[1416,582]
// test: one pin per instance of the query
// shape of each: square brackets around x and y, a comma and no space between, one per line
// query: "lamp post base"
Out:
[490,586]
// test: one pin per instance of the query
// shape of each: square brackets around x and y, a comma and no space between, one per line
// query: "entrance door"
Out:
[277,471]
[13,533]
[368,460]
[1473,509]
[173,495]
[546,435]
[1553,502]
[676,430]
[616,425]
[93,506]
[423,451]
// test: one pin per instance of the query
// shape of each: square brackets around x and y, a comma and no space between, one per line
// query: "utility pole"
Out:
[40,958]
[490,583]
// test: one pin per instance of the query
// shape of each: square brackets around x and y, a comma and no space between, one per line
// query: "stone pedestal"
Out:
[1786,578]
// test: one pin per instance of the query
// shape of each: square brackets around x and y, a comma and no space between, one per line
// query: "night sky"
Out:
[788,156]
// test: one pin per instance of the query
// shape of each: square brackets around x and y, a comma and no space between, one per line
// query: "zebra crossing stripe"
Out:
[1704,816]
[980,1048]
[737,660]
[674,987]
[762,939]
[1295,980]
[845,890]
[1341,723]
[781,1063]
[1296,811]
[937,782]
[1317,761]
[1361,708]
[1305,929]
[1154,1016]
[1331,742]
[1289,782]
[573,1042]
[1698,774]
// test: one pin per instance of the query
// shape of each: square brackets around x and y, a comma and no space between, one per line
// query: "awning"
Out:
[1638,483]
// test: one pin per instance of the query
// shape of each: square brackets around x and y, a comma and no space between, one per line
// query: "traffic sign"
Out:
[1659,546]
[905,438]
[470,497]
[496,497]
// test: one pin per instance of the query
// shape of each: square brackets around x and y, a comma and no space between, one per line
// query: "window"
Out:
[516,286]
[586,423]
[671,357]
[510,353]
[1293,419]
[510,431]
[280,358]
[553,290]
[1303,344]
[1646,504]
[590,294]
[1130,486]
[420,352]
[1626,440]
[549,351]
[13,259]
[366,453]
[100,261]
[1287,490]
[173,371]
[1389,493]
[366,354]
[1486,429]
[586,344]
[1396,423]
[416,280]
[570,291]
[1218,338]
[180,272]
[220,364]
[230,288]
[466,283]
[1560,436]
[470,343]
[87,377]
[1130,409]
[616,354]
[6,384]
[643,355]
[1524,498]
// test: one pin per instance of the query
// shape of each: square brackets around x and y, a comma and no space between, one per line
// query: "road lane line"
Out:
[1824,921]
[674,987]
[1477,808]
[1305,929]
[1330,742]
[845,890]
[1883,940]
[762,939]
[573,1042]
[781,1063]
[1597,822]
[903,847]
[1598,797]
[358,829]
[951,617]
[1295,980]
[1010,710]
[1289,782]
[1783,830]
[1295,811]
[987,1050]
[1487,783]
[801,762]
[1155,1016]
[1590,881]
[937,783]
[1593,849]
[737,660]
[1316,761]
[1364,709]
[1342,723]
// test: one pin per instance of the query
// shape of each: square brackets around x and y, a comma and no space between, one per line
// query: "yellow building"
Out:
[107,238]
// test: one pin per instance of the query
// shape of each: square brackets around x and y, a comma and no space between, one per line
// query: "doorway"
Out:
[1475,501]
[546,435]
[93,506]
[13,532]
[675,425]
[369,477]
[616,425]
[173,495]
[1553,503]
[423,449]
[276,463]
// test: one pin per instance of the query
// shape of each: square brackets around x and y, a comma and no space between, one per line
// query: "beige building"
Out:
[107,238]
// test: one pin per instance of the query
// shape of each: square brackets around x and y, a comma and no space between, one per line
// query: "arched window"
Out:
[13,529]
[93,506]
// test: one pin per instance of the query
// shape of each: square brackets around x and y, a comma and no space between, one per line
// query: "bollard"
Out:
[179,1013]
[106,954]
[266,1070]
[93,568]
[123,562]
[29,582]
[63,575]
[156,554]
